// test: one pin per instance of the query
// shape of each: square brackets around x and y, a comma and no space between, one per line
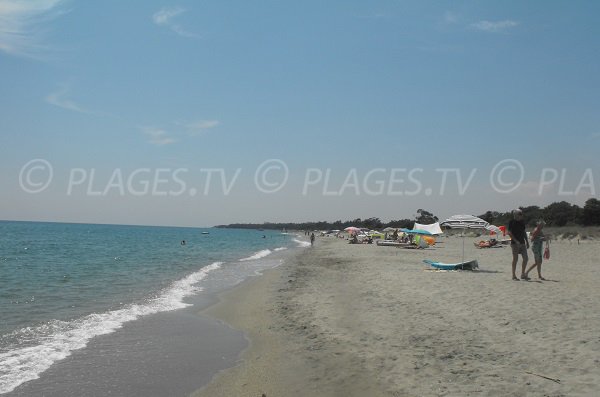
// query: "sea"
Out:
[89,309]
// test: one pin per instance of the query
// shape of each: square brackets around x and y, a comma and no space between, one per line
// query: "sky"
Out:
[195,113]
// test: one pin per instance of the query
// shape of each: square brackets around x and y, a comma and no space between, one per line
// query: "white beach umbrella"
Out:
[465,222]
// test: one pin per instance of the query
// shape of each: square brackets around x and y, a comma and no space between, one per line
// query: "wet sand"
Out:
[168,354]
[363,320]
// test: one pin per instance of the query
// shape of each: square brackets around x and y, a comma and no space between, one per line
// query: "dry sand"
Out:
[363,320]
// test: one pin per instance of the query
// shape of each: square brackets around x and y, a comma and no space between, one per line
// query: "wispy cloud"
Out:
[494,27]
[451,17]
[166,14]
[200,127]
[177,131]
[60,98]
[157,136]
[22,25]
[165,17]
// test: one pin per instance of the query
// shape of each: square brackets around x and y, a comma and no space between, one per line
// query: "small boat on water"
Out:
[205,232]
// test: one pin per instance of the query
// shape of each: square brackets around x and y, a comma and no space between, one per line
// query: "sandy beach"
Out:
[364,320]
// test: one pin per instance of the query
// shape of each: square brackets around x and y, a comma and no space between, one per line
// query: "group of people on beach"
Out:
[520,244]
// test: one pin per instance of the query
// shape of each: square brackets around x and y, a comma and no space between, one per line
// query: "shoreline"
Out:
[239,307]
[170,352]
[277,361]
[356,320]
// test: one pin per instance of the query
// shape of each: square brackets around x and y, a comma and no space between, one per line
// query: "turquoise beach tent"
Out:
[416,231]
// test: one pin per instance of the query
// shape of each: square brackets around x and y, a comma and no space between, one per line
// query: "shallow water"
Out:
[64,287]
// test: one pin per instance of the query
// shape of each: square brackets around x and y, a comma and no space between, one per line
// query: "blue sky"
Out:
[343,87]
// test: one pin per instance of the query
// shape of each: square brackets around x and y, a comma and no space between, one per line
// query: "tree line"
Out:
[556,214]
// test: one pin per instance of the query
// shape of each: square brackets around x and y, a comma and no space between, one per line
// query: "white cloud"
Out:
[158,136]
[21,25]
[59,98]
[165,18]
[164,15]
[201,126]
[494,27]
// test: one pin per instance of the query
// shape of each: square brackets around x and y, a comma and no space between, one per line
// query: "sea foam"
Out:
[257,255]
[56,339]
[301,243]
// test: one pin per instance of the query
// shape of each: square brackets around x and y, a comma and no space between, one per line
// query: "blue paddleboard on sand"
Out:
[469,265]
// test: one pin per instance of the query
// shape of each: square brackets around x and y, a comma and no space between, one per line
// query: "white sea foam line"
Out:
[257,255]
[280,249]
[60,338]
[301,243]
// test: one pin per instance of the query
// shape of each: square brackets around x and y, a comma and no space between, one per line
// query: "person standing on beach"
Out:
[537,243]
[312,239]
[518,243]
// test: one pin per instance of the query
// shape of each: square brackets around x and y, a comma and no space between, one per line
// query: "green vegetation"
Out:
[556,214]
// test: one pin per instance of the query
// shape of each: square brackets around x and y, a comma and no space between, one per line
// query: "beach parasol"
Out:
[464,222]
[352,229]
[421,242]
[493,230]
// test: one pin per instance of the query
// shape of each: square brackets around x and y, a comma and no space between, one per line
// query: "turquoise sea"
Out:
[62,285]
